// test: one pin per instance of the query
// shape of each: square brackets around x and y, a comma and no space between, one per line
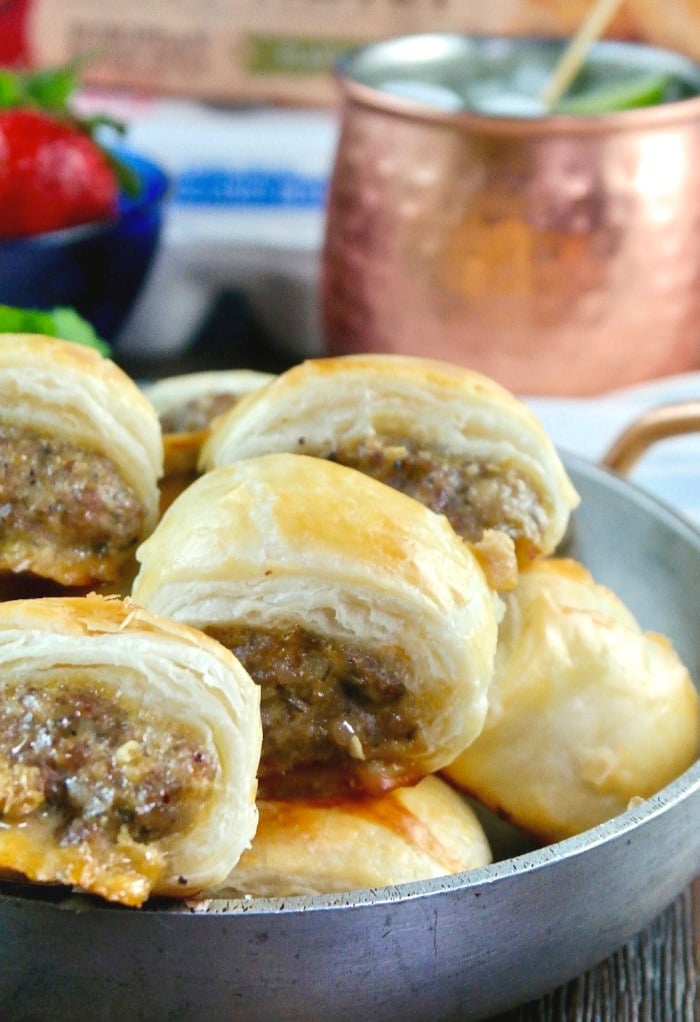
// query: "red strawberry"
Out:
[52,175]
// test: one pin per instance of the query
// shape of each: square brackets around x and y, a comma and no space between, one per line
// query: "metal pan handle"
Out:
[657,424]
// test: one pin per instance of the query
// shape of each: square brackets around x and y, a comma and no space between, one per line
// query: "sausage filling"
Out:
[58,500]
[196,414]
[325,702]
[473,496]
[86,766]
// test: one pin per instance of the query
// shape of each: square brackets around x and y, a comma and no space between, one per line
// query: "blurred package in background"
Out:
[261,50]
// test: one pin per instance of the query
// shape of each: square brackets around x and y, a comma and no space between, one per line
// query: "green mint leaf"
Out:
[62,322]
[645,90]
[25,321]
[70,326]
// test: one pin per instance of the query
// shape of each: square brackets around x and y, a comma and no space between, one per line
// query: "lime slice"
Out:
[646,90]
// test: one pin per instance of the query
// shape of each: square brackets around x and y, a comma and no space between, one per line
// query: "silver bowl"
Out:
[461,947]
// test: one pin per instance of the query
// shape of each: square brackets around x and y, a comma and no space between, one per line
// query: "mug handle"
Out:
[657,424]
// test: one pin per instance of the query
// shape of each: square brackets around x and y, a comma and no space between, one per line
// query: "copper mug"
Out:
[559,254]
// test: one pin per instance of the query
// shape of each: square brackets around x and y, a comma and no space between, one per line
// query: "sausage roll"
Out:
[452,439]
[80,456]
[187,404]
[129,746]
[367,622]
[306,847]
[586,711]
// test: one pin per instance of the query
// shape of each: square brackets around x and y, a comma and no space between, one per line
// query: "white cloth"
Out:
[670,469]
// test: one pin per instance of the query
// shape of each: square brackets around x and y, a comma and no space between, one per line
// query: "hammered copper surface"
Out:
[558,255]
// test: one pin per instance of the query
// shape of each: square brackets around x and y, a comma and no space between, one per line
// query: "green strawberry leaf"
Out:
[127,178]
[10,90]
[62,322]
[51,88]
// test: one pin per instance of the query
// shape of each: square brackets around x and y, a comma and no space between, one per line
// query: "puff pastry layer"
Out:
[415,833]
[128,750]
[449,437]
[366,620]
[81,456]
[586,711]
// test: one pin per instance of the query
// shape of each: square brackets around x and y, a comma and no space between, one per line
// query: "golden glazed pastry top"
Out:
[440,407]
[413,833]
[586,711]
[285,540]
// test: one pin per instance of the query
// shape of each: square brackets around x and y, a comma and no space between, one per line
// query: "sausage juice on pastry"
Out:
[586,711]
[128,750]
[366,620]
[315,847]
[80,456]
[449,437]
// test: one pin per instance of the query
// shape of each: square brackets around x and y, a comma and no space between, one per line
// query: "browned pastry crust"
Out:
[367,621]
[128,750]
[586,711]
[80,457]
[449,437]
[304,847]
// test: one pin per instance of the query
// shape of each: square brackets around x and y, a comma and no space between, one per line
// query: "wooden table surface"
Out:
[654,978]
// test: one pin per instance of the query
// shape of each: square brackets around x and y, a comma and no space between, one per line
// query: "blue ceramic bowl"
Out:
[98,269]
